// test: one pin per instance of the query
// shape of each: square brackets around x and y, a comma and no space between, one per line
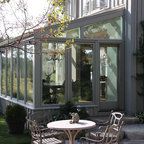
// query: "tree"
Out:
[23,24]
[4,1]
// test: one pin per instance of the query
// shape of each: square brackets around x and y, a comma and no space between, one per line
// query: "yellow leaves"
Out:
[42,29]
[57,3]
[57,16]
[69,43]
[4,1]
[51,30]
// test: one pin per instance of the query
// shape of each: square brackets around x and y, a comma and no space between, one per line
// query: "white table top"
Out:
[66,125]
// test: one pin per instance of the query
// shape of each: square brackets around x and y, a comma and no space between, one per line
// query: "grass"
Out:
[6,138]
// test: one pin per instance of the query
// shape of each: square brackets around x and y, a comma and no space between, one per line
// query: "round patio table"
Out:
[71,129]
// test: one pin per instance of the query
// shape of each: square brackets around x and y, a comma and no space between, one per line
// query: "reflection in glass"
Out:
[108,73]
[15,70]
[9,72]
[91,6]
[74,33]
[21,74]
[30,50]
[103,3]
[108,29]
[3,75]
[85,7]
[82,72]
[53,72]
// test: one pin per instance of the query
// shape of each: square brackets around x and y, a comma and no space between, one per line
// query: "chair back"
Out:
[116,118]
[40,117]
[35,130]
[109,136]
[112,133]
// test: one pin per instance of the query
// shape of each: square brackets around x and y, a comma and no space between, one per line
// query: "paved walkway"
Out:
[133,134]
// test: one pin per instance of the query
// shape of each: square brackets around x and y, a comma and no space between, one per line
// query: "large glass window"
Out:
[108,73]
[91,6]
[53,73]
[15,72]
[29,75]
[71,8]
[82,57]
[108,29]
[9,59]
[14,76]
[3,74]
[21,74]
[85,7]
[74,33]
[103,3]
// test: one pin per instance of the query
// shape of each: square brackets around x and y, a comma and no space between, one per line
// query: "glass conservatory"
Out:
[46,72]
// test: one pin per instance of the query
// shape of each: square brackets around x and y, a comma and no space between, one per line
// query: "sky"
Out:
[37,6]
[10,15]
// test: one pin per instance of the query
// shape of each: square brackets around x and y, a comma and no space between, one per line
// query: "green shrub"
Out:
[83,113]
[15,117]
[140,116]
[66,109]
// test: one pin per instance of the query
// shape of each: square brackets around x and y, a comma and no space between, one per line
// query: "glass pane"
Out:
[82,72]
[108,29]
[74,33]
[9,72]
[53,73]
[15,70]
[30,50]
[3,75]
[103,3]
[21,74]
[94,4]
[85,7]
[108,73]
[91,6]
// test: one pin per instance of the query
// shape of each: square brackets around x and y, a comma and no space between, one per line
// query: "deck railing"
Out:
[99,5]
[116,3]
[81,8]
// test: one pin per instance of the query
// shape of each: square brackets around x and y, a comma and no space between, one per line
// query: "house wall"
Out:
[139,18]
[134,13]
[3,104]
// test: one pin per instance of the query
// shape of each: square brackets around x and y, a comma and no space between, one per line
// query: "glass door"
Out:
[82,61]
[109,77]
[89,72]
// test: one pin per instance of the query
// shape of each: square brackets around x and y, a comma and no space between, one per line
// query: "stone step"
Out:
[130,120]
[125,141]
[133,131]
[127,119]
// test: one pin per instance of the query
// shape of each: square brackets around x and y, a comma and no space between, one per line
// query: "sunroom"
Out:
[85,66]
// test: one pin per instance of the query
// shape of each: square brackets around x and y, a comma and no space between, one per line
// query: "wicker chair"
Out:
[104,128]
[109,136]
[114,117]
[41,135]
[40,117]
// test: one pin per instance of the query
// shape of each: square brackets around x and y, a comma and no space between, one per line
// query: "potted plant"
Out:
[15,117]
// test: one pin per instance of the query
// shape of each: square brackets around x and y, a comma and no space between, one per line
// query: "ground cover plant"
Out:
[6,138]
